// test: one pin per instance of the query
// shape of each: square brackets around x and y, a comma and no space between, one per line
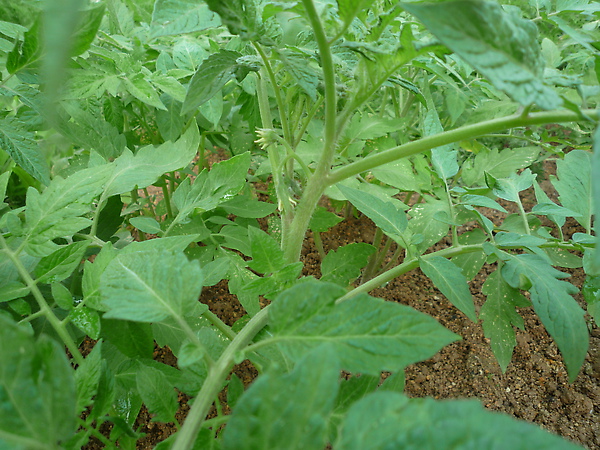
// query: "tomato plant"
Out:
[113,222]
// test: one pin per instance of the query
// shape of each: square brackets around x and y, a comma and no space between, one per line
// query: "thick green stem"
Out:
[214,381]
[459,134]
[316,186]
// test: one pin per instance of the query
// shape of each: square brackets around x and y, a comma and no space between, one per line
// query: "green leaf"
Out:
[89,21]
[470,263]
[62,296]
[591,294]
[449,279]
[241,17]
[380,335]
[56,212]
[559,312]
[342,266]
[146,224]
[133,339]
[499,316]
[149,286]
[349,9]
[242,206]
[480,200]
[268,413]
[401,175]
[110,218]
[91,276]
[173,333]
[175,17]
[37,390]
[149,163]
[239,278]
[87,320]
[212,110]
[574,184]
[509,188]
[322,220]
[498,164]
[502,46]
[60,264]
[211,76]
[215,271]
[443,158]
[170,122]
[516,240]
[385,215]
[235,389]
[87,377]
[158,394]
[138,86]
[423,221]
[300,67]
[25,52]
[267,256]
[20,144]
[210,189]
[385,420]
[596,194]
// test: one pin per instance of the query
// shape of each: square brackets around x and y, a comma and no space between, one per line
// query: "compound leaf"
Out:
[574,184]
[151,285]
[268,413]
[557,309]
[37,390]
[211,76]
[149,163]
[175,17]
[502,46]
[20,144]
[343,265]
[384,420]
[368,334]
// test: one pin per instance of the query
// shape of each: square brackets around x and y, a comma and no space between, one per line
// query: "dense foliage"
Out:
[420,116]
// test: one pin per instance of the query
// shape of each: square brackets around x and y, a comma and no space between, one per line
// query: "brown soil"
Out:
[534,388]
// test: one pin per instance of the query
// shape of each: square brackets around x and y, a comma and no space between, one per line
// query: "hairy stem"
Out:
[458,134]
[407,266]
[216,375]
[45,309]
[316,186]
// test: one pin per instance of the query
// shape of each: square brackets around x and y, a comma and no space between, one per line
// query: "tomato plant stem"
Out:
[214,381]
[45,309]
[456,135]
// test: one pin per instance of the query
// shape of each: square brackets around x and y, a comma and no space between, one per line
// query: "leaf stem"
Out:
[223,328]
[214,381]
[407,266]
[448,137]
[56,324]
